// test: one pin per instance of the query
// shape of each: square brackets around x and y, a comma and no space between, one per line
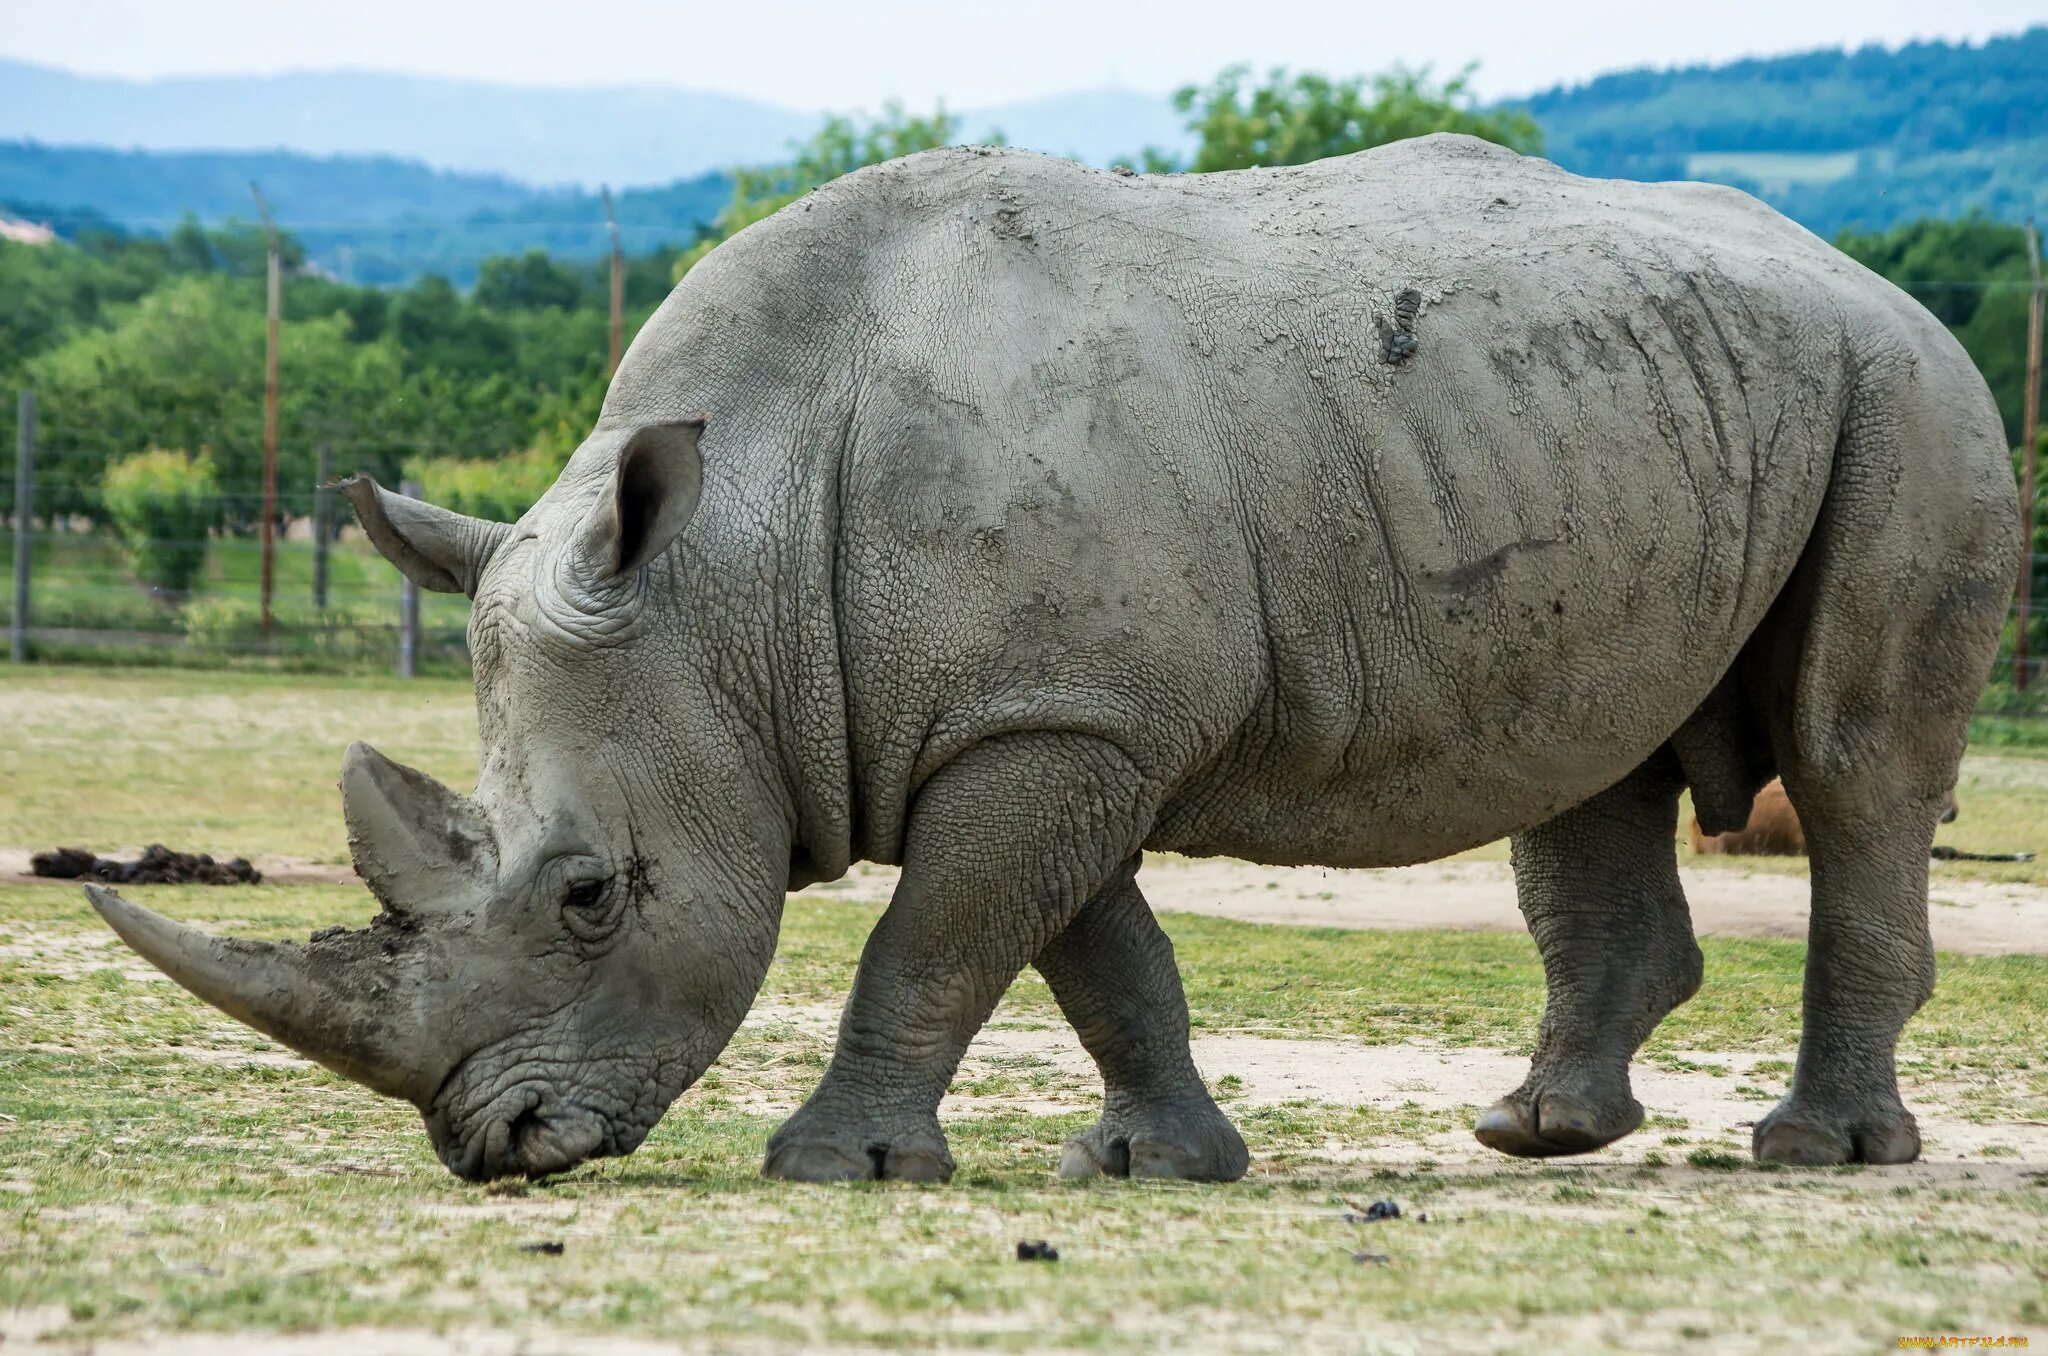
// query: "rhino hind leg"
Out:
[1599,887]
[1113,974]
[1006,843]
[1869,669]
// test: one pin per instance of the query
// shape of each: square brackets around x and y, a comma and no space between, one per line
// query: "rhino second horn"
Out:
[315,1005]
[421,847]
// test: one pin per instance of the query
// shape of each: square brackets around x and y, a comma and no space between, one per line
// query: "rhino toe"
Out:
[1555,1123]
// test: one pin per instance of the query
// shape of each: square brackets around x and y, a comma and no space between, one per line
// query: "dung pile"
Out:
[157,865]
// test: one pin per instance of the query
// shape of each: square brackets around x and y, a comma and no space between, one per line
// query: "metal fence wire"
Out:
[338,605]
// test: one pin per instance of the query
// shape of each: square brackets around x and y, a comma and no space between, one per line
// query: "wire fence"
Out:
[350,613]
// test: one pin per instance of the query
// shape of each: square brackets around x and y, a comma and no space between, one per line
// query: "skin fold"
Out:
[1002,518]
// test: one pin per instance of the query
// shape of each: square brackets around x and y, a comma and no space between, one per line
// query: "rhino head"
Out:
[560,954]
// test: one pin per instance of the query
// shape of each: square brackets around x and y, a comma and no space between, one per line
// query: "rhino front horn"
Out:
[343,1001]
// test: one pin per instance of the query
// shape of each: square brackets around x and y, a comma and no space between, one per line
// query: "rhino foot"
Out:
[1194,1143]
[1546,1122]
[812,1153]
[1817,1136]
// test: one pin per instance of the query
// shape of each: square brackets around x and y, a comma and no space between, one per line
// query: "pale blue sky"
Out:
[815,54]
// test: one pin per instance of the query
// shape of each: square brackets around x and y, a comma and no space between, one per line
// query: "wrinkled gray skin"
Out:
[1351,514]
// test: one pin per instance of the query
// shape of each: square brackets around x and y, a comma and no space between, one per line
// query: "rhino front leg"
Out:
[1113,973]
[1599,886]
[1006,842]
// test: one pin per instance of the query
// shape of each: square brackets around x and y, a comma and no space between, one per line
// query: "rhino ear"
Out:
[649,502]
[436,549]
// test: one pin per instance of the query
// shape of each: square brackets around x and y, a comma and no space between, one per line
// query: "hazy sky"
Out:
[815,54]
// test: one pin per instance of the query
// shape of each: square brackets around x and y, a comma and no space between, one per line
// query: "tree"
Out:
[183,368]
[1973,275]
[1293,119]
[527,282]
[162,505]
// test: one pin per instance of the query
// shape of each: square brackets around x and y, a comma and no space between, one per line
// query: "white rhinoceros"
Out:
[1003,518]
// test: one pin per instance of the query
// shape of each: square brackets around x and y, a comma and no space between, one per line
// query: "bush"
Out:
[500,489]
[162,505]
[227,626]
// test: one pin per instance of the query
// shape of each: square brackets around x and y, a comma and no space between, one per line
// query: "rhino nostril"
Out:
[522,1134]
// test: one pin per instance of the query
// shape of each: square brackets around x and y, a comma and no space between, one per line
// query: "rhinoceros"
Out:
[1005,519]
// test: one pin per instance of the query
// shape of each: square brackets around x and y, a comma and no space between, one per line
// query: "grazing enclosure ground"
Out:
[171,1181]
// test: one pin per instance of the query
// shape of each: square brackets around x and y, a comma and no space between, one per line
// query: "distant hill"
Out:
[389,176]
[152,190]
[371,219]
[625,135]
[1833,138]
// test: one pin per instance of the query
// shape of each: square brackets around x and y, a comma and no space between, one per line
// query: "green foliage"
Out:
[500,489]
[2037,542]
[219,627]
[1972,274]
[503,488]
[1294,119]
[840,147]
[184,368]
[528,282]
[163,504]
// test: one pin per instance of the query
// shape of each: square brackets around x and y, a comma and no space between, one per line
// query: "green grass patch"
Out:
[163,1168]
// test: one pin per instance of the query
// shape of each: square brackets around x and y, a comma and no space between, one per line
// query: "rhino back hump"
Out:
[1340,496]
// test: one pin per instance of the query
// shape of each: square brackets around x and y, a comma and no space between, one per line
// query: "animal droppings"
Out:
[1942,852]
[1372,1214]
[1376,1258]
[1037,1251]
[549,1248]
[157,865]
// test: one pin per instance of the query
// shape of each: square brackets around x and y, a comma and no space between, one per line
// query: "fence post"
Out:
[323,525]
[272,310]
[2029,426]
[24,510]
[408,609]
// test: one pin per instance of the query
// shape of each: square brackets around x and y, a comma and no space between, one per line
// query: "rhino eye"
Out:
[583,895]
[591,908]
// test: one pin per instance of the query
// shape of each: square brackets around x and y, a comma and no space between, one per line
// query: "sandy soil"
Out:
[1973,917]
[1695,1098]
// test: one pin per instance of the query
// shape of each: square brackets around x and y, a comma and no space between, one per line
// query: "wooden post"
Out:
[2030,412]
[323,524]
[408,609]
[269,526]
[24,510]
[618,331]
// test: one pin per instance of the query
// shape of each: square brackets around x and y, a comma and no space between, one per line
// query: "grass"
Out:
[207,761]
[88,607]
[165,1170]
[83,579]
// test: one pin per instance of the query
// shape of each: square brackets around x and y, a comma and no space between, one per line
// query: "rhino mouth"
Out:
[493,1118]
[530,1132]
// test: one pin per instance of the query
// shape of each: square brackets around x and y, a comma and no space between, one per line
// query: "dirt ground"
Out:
[1976,918]
[1973,917]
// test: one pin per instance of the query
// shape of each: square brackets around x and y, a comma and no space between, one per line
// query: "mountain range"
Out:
[385,176]
[621,135]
